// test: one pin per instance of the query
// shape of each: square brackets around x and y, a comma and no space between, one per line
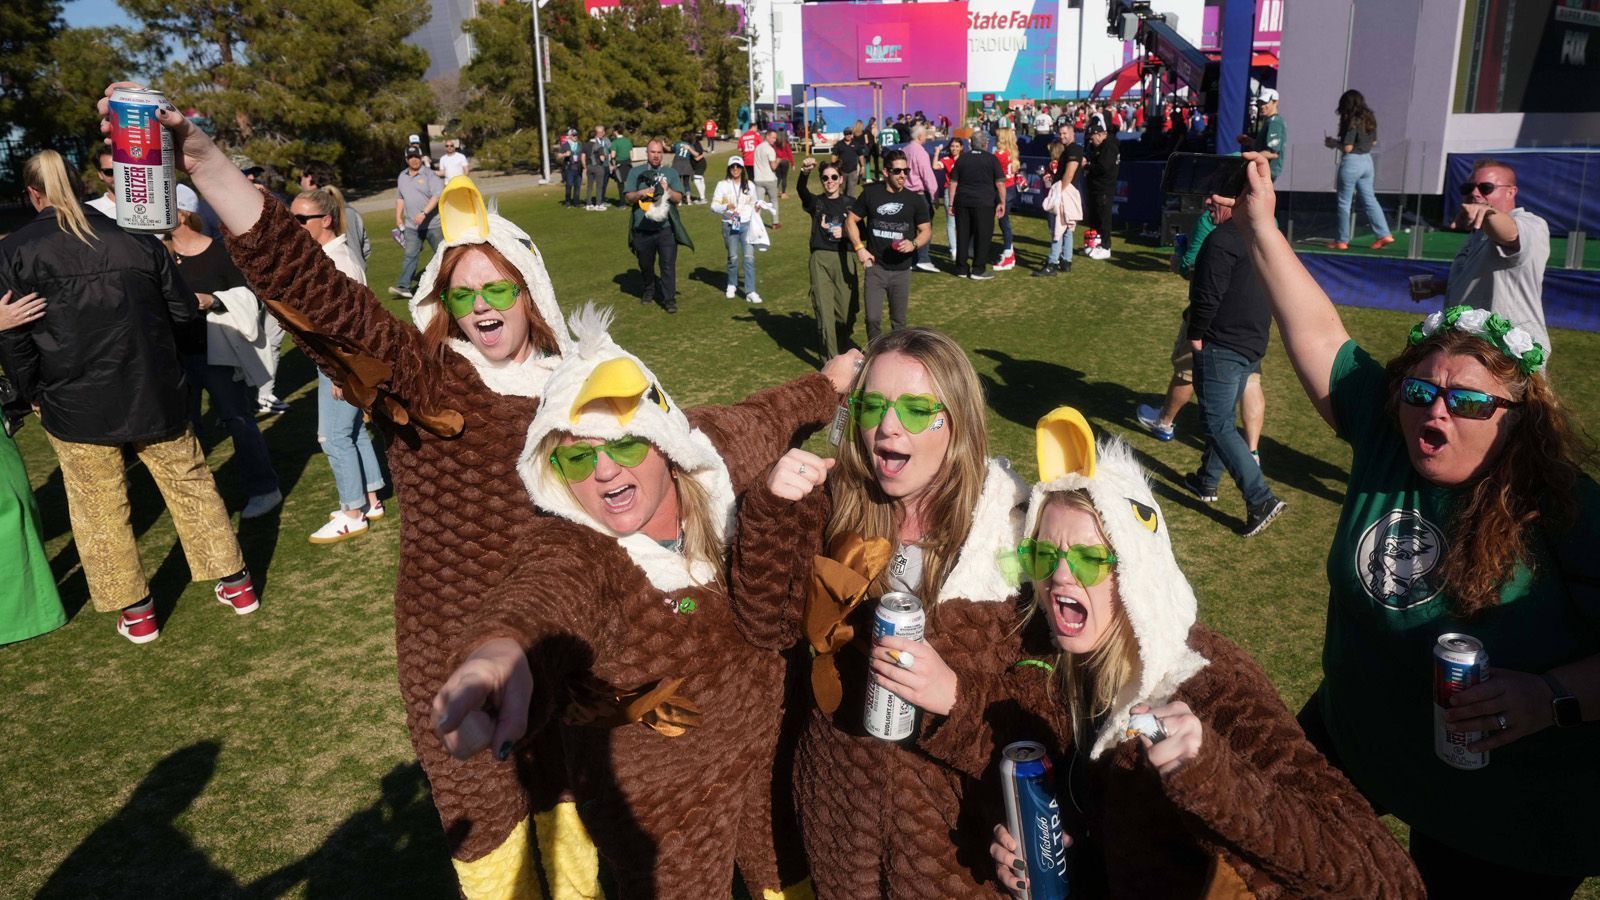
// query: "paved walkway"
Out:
[490,185]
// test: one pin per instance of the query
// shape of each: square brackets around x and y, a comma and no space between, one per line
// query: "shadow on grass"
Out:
[794,332]
[143,851]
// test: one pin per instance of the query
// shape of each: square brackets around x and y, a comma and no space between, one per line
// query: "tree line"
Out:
[284,82]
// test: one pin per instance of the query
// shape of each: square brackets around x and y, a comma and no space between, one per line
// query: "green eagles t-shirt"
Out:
[1534,805]
[888,137]
[1203,226]
[638,178]
[1271,134]
[622,151]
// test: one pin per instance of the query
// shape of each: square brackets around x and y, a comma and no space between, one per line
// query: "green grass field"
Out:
[267,755]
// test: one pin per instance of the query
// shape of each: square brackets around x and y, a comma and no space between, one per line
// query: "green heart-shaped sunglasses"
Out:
[576,462]
[500,295]
[916,411]
[1089,563]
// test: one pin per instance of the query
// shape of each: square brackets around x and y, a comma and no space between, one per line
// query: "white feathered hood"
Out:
[996,524]
[465,219]
[594,369]
[1160,604]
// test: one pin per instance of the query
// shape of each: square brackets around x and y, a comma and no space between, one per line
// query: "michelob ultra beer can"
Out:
[1033,816]
[1459,662]
[144,174]
[888,717]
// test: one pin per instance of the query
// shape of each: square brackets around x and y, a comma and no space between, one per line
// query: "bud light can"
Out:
[144,176]
[1459,662]
[888,717]
[1033,816]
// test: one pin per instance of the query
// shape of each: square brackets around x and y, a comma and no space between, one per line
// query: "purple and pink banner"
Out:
[908,46]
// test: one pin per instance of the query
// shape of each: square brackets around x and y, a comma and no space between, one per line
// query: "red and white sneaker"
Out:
[242,598]
[1008,261]
[141,628]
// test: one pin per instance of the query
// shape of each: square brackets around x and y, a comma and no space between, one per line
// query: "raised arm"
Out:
[1310,326]
[1259,786]
[771,560]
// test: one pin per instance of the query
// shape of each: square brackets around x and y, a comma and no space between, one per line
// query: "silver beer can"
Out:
[888,717]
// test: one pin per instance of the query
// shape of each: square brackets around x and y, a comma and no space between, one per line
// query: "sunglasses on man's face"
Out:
[108,172]
[899,171]
[576,462]
[916,411]
[1463,403]
[1482,187]
[1088,563]
[498,294]
[306,218]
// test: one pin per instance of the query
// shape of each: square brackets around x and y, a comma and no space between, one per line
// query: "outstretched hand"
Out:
[497,672]
[19,311]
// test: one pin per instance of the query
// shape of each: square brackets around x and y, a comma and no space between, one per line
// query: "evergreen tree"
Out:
[285,81]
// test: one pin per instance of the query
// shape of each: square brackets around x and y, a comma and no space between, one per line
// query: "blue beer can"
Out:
[1033,816]
[1180,244]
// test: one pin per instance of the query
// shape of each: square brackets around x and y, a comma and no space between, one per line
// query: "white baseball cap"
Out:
[415,139]
[1267,95]
[188,200]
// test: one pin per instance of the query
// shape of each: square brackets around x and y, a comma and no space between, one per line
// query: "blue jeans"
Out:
[234,403]
[738,246]
[413,246]
[1355,177]
[348,446]
[1220,375]
[1061,248]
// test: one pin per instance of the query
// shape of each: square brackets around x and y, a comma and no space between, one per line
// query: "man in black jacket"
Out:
[977,198]
[1230,321]
[1100,185]
[102,368]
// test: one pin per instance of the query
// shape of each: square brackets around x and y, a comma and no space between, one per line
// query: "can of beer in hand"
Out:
[1180,244]
[144,170]
[888,717]
[1033,816]
[1459,662]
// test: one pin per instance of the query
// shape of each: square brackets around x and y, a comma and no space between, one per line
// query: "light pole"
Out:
[750,57]
[538,75]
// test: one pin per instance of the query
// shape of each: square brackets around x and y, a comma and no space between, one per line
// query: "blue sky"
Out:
[94,13]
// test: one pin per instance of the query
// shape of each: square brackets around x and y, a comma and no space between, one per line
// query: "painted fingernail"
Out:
[1020,866]
[504,751]
[1021,884]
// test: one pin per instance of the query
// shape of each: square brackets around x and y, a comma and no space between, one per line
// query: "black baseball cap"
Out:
[413,151]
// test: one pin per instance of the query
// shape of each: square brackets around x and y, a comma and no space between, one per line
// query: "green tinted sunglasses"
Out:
[498,294]
[916,411]
[576,462]
[1089,563]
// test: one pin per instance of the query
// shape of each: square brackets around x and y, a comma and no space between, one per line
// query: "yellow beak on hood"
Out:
[1065,444]
[462,213]
[617,382]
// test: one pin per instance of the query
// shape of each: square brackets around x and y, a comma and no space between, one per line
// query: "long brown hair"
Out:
[1354,112]
[859,503]
[47,174]
[443,325]
[1530,489]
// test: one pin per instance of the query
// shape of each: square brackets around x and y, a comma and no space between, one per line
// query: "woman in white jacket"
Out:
[736,201]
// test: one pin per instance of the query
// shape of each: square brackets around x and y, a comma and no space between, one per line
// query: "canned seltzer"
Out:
[1033,816]
[1459,662]
[887,716]
[144,177]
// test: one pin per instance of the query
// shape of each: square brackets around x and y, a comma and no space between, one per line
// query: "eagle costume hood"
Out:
[599,390]
[465,219]
[1154,593]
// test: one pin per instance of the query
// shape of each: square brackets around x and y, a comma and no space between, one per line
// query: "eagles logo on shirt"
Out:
[1397,559]
[890,209]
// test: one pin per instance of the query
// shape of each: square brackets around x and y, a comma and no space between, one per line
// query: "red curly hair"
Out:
[444,325]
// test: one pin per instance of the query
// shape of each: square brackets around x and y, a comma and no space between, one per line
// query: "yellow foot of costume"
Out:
[800,890]
[509,871]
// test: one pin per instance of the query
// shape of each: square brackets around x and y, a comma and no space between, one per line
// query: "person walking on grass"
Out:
[102,369]
[595,160]
[736,201]
[341,427]
[834,292]
[652,191]
[1011,163]
[924,182]
[414,213]
[977,199]
[765,174]
[895,222]
[1104,160]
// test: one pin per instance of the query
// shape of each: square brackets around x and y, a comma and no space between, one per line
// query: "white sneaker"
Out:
[752,297]
[375,512]
[928,267]
[1099,253]
[261,504]
[338,528]
[733,289]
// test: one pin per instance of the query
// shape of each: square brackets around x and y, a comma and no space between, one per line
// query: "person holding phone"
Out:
[833,266]
[895,222]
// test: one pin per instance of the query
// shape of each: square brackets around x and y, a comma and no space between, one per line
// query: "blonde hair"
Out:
[1092,681]
[47,174]
[1005,140]
[859,503]
[695,516]
[329,202]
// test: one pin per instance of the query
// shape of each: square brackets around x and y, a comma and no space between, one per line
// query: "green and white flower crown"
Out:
[1491,327]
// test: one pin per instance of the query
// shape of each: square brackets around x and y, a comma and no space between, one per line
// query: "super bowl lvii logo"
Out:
[879,52]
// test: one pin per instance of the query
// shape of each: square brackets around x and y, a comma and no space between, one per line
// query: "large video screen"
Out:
[1529,56]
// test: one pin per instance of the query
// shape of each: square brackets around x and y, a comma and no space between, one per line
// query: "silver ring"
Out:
[802,469]
[1500,719]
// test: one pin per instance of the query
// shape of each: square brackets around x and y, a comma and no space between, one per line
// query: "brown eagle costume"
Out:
[669,718]
[881,819]
[1258,813]
[453,420]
